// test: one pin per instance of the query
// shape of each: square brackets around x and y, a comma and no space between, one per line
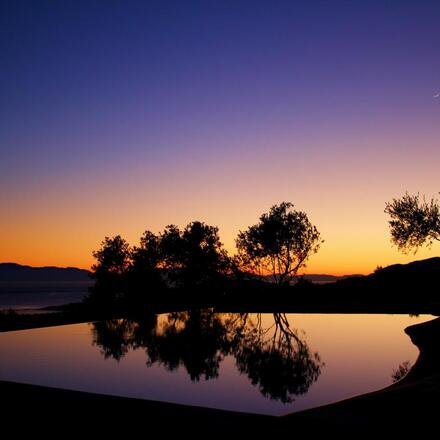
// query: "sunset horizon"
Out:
[128,119]
[223,215]
[341,266]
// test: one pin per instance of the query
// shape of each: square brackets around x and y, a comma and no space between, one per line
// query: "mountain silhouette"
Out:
[421,270]
[399,284]
[12,272]
[421,273]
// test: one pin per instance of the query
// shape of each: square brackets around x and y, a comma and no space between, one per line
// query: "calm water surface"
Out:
[26,297]
[262,363]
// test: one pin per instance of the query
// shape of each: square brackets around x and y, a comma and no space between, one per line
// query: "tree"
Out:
[414,222]
[279,244]
[113,259]
[276,359]
[172,252]
[194,256]
[196,340]
[146,261]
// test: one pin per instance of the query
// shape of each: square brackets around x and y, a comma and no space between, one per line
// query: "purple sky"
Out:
[119,116]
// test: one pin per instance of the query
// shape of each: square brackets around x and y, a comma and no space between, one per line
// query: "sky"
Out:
[122,116]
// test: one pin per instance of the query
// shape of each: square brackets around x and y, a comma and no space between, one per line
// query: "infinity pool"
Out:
[261,363]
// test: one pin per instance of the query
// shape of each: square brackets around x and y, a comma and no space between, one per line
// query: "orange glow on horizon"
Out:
[61,224]
[216,112]
[341,260]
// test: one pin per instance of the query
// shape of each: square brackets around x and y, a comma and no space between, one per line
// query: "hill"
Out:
[420,274]
[16,272]
[417,270]
[12,272]
[415,283]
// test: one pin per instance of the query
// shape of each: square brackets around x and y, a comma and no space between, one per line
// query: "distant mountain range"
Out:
[17,272]
[11,272]
[414,272]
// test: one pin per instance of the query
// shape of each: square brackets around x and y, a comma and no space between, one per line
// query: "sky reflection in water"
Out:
[265,363]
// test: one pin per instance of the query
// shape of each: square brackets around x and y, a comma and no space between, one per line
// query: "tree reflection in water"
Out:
[115,337]
[276,359]
[274,356]
[197,340]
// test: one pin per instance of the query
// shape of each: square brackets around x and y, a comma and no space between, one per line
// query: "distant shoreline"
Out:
[34,296]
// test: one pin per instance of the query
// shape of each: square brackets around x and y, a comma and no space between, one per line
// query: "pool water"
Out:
[261,363]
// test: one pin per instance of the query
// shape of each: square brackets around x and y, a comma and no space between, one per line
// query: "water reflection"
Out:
[276,359]
[401,371]
[274,356]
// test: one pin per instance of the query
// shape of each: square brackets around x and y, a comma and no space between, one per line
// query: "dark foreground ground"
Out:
[407,407]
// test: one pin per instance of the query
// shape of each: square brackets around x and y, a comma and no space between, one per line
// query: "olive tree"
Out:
[112,258]
[110,269]
[146,261]
[279,245]
[414,222]
[194,256]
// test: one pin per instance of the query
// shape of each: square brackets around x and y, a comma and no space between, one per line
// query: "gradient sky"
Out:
[121,116]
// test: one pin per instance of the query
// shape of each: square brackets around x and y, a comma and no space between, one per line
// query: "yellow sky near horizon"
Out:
[352,247]
[155,115]
[59,220]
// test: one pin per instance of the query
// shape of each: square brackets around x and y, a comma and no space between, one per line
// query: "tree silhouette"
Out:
[194,256]
[113,260]
[145,265]
[414,222]
[279,244]
[114,337]
[274,357]
[187,259]
[195,340]
[112,257]
[172,252]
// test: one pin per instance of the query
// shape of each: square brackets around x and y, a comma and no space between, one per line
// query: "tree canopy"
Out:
[194,259]
[280,244]
[112,257]
[109,271]
[414,222]
[188,259]
[195,255]
[145,262]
